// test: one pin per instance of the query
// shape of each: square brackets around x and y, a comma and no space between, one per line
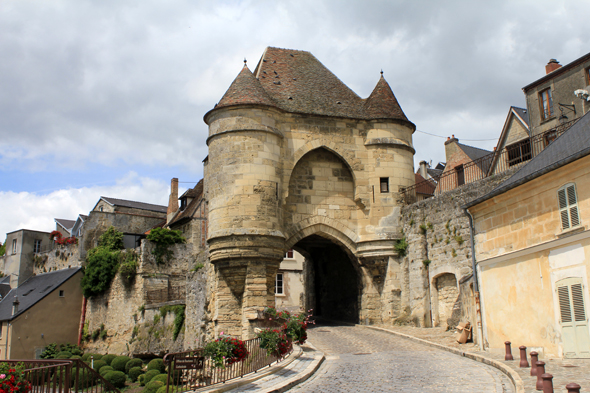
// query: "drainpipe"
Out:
[82,321]
[479,326]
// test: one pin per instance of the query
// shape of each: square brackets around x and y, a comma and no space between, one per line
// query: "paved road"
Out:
[365,360]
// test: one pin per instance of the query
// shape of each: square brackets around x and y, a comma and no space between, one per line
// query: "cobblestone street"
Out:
[364,360]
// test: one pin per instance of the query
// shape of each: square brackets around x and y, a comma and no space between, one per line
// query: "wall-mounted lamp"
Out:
[41,335]
[572,108]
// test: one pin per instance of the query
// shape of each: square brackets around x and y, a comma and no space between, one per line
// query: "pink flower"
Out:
[3,376]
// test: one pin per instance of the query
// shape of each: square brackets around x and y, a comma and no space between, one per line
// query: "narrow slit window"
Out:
[61,293]
[279,290]
[384,181]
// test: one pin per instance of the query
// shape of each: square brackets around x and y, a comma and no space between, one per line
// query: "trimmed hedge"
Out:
[96,356]
[157,364]
[161,377]
[68,355]
[108,358]
[85,378]
[153,386]
[133,363]
[119,363]
[117,378]
[149,375]
[98,364]
[134,373]
[141,380]
[104,370]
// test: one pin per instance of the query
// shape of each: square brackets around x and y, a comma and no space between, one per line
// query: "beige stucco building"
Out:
[44,309]
[532,247]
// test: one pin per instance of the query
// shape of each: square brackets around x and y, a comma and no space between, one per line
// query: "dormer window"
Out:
[183,203]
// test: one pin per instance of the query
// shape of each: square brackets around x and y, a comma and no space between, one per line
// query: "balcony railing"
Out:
[494,163]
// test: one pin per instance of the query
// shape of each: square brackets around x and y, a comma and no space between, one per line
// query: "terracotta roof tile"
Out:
[295,81]
[423,186]
[245,89]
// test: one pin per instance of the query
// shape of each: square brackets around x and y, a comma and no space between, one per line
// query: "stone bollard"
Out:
[523,362]
[547,383]
[534,360]
[508,351]
[540,372]
[573,388]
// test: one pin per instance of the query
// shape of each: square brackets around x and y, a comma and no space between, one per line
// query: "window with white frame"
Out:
[37,246]
[279,289]
[568,206]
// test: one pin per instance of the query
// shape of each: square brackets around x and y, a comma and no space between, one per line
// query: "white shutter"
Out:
[568,206]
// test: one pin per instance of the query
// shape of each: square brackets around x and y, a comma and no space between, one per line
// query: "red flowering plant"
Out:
[275,341]
[12,379]
[294,325]
[62,241]
[226,350]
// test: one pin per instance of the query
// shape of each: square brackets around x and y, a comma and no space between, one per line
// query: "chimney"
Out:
[173,201]
[451,147]
[423,170]
[552,66]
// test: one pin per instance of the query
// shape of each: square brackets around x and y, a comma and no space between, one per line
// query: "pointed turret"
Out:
[245,89]
[382,103]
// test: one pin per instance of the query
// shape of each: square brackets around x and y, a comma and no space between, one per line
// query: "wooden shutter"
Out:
[573,315]
[568,206]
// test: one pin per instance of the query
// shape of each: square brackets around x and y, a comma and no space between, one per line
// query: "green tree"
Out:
[102,263]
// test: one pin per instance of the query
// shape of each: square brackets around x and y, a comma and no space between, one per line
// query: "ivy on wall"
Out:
[102,263]
[163,238]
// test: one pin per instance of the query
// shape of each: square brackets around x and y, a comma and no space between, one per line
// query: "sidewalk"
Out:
[564,371]
[298,367]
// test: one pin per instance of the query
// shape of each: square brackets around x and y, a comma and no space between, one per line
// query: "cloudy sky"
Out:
[108,97]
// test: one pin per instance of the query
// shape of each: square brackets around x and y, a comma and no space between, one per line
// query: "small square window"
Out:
[384,182]
[61,293]
[289,254]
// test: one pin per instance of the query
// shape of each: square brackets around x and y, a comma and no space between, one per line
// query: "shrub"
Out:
[98,364]
[96,356]
[117,378]
[76,357]
[118,363]
[153,386]
[133,363]
[226,350]
[128,267]
[401,246]
[49,352]
[134,373]
[62,357]
[104,370]
[157,364]
[85,357]
[161,377]
[108,358]
[149,375]
[161,389]
[141,380]
[163,238]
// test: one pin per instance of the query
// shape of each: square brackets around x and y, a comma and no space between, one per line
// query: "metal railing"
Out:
[163,295]
[191,370]
[63,375]
[494,163]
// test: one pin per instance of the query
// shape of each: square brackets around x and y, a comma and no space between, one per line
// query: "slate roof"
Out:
[295,81]
[4,286]
[433,172]
[67,224]
[189,211]
[135,205]
[568,147]
[33,290]
[523,113]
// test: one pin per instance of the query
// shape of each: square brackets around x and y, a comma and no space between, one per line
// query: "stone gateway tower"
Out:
[297,160]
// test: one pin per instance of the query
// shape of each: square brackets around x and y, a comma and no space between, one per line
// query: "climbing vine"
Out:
[102,263]
[163,238]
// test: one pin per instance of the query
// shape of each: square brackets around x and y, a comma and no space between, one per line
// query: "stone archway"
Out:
[445,299]
[333,284]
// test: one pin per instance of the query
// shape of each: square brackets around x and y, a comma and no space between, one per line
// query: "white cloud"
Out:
[24,210]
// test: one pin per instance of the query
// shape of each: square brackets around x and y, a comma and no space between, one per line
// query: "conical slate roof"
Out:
[382,103]
[245,89]
[295,81]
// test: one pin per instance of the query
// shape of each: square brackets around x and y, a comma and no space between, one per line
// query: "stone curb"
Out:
[513,375]
[280,387]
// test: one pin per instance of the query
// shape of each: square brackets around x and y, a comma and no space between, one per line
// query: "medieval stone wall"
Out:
[439,243]
[62,257]
[133,325]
